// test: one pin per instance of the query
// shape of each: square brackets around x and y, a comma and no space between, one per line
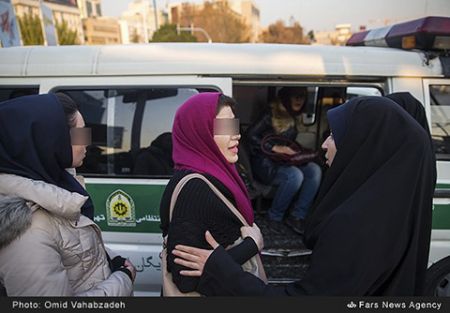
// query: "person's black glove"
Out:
[116,263]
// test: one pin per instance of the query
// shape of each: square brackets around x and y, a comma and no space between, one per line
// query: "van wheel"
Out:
[437,281]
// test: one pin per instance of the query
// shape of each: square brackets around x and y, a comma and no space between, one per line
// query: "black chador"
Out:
[370,227]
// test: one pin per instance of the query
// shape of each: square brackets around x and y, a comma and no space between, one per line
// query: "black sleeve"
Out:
[243,251]
[336,267]
[222,272]
[198,209]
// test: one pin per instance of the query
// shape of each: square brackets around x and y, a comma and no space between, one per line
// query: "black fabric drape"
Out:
[35,143]
[413,106]
[371,225]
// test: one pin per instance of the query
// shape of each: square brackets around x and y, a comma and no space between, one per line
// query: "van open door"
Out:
[437,99]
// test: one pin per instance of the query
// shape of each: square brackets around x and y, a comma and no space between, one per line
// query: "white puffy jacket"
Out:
[47,248]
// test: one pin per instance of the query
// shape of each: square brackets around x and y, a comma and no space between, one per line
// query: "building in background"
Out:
[141,21]
[101,31]
[343,33]
[246,10]
[63,10]
[124,32]
[176,10]
[338,37]
[98,30]
[250,14]
[90,8]
[30,7]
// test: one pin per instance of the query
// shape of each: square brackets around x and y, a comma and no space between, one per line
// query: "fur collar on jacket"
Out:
[20,197]
[281,119]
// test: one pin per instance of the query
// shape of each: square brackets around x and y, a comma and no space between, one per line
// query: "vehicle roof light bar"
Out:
[357,39]
[428,33]
[377,37]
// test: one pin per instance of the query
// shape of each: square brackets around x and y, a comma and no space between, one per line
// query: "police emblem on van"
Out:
[120,209]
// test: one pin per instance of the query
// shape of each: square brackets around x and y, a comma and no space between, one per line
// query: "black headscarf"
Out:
[339,118]
[35,143]
[413,106]
[371,223]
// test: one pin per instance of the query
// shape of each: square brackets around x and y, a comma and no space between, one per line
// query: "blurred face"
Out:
[297,101]
[225,134]
[330,149]
[79,141]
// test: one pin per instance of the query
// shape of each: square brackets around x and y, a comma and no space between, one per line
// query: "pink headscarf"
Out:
[194,147]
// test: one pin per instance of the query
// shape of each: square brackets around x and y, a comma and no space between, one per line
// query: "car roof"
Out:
[214,59]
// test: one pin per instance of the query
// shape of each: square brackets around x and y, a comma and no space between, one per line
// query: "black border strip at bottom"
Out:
[228,304]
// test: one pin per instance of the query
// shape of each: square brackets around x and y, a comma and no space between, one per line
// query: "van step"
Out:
[281,281]
[286,252]
[285,256]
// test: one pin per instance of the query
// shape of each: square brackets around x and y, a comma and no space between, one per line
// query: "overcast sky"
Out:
[325,14]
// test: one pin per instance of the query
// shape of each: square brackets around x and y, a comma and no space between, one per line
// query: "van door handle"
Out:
[441,193]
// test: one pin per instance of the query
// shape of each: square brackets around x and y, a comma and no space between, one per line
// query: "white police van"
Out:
[128,94]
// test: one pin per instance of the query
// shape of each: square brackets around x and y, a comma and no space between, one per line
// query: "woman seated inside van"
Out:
[296,184]
[156,159]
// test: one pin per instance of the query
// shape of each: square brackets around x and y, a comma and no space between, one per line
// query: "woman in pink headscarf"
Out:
[205,141]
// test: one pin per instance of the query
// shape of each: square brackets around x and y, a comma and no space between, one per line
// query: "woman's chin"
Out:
[232,159]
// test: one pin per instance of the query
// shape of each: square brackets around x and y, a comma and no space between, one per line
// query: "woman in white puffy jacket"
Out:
[49,245]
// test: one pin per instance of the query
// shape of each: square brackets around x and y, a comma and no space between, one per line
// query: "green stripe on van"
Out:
[441,212]
[140,213]
[441,216]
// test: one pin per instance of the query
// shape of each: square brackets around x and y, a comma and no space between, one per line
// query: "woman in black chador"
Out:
[413,106]
[370,227]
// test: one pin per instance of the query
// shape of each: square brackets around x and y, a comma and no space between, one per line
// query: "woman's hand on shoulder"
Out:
[194,258]
[255,233]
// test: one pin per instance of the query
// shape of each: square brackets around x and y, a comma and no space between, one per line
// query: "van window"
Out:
[255,100]
[131,129]
[14,92]
[440,120]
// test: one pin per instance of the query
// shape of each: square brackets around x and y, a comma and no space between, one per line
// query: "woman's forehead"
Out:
[79,120]
[225,112]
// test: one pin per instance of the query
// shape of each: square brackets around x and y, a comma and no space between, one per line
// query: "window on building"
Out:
[89,8]
[99,9]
